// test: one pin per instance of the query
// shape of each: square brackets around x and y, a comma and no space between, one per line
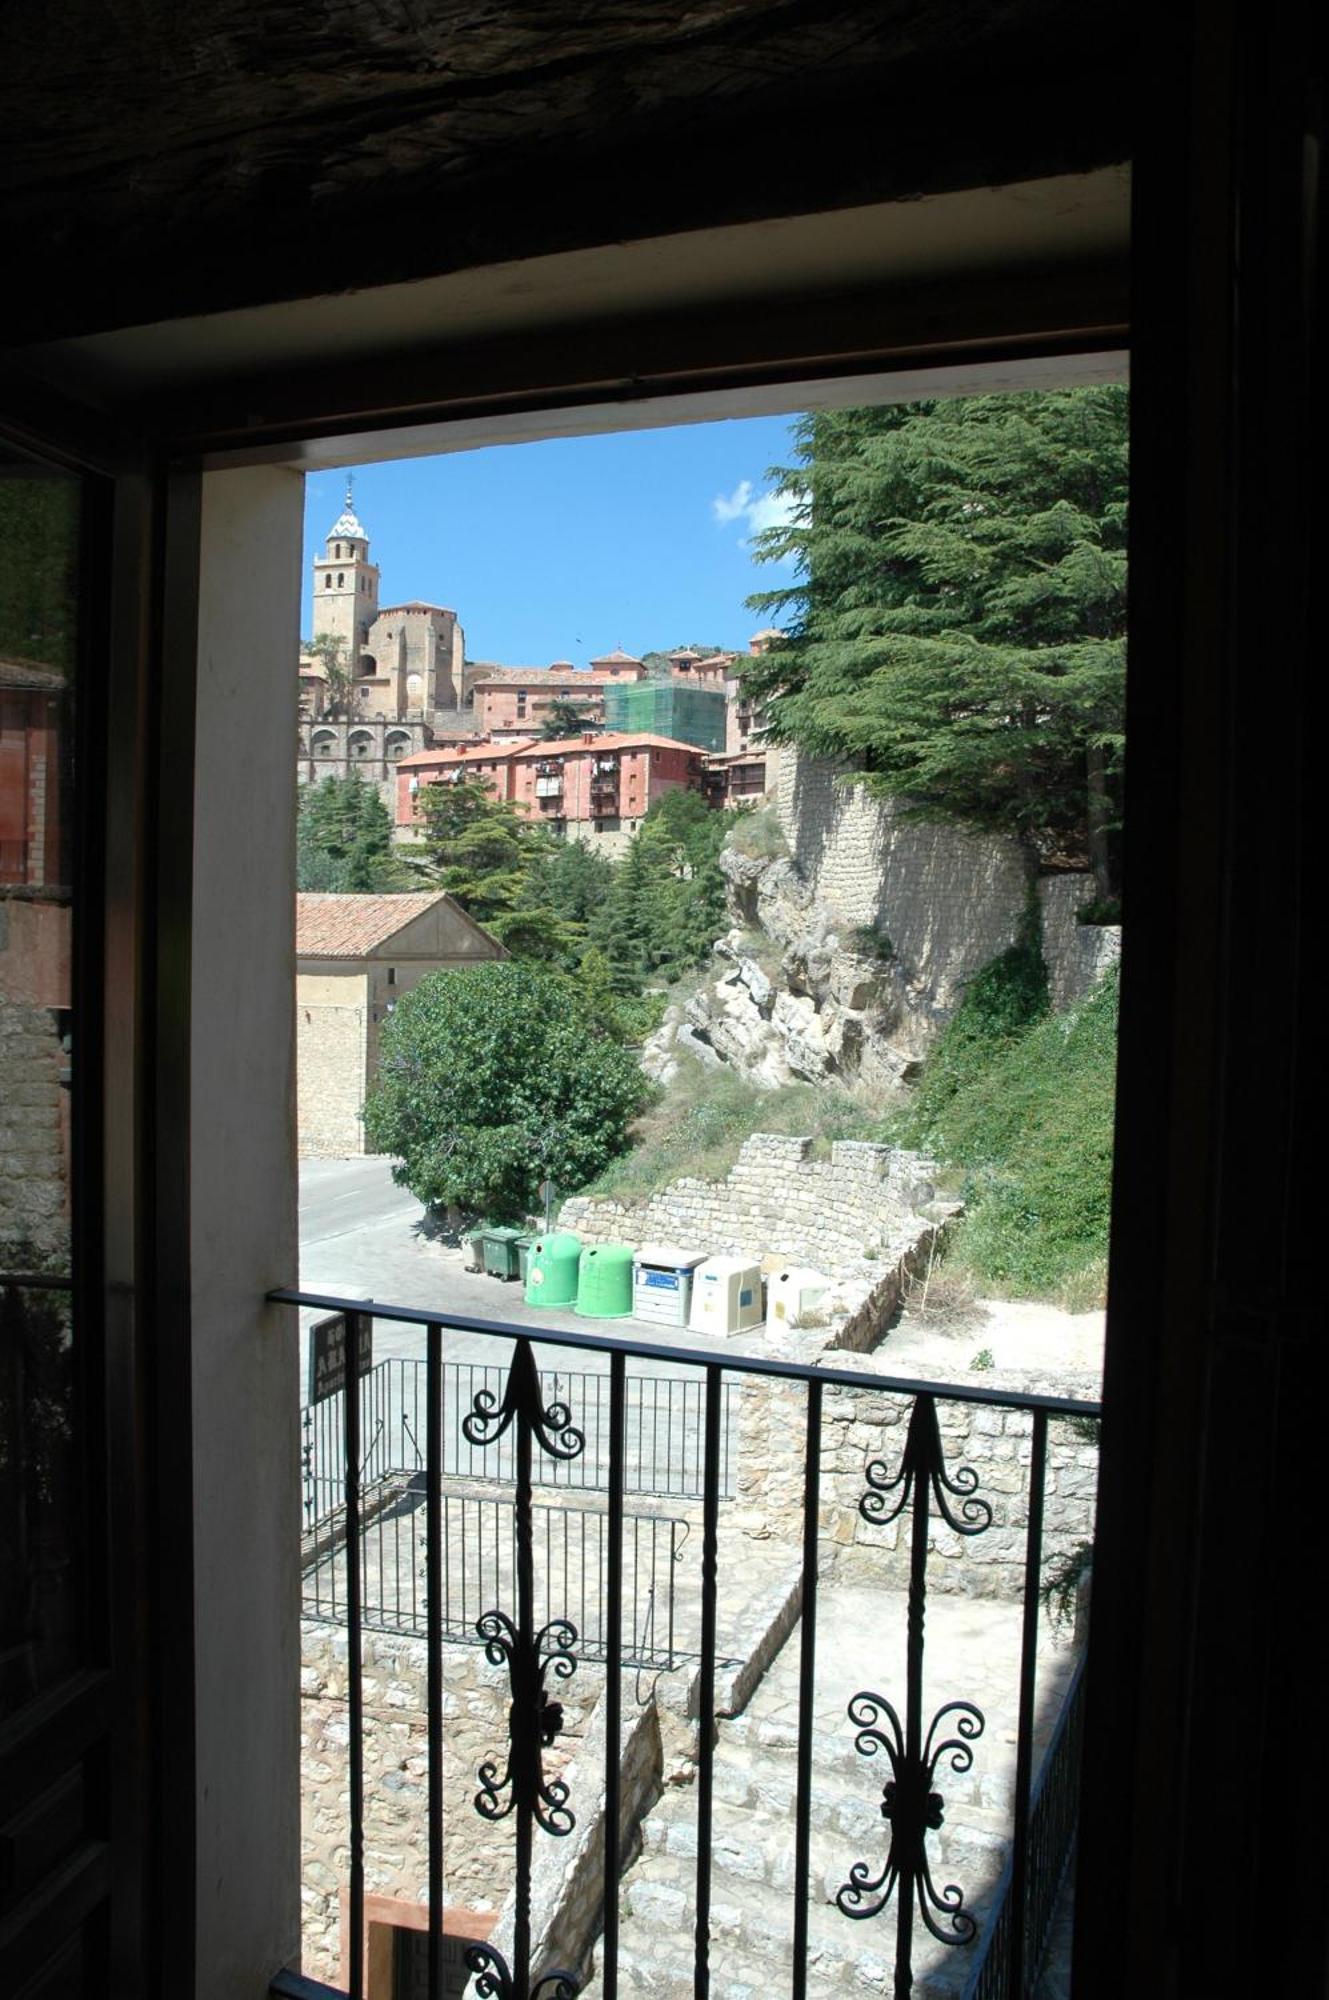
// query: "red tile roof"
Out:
[556,676]
[607,740]
[330,926]
[462,753]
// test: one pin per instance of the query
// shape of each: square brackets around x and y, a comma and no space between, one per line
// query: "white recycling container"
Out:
[662,1283]
[796,1291]
[726,1295]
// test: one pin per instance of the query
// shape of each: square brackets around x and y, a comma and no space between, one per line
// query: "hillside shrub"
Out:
[1000,1004]
[758,834]
[699,1123]
[493,1078]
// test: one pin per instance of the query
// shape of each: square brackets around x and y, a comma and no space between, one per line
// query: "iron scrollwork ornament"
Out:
[912,1808]
[911,1804]
[924,1464]
[489,1418]
[493,1980]
[534,1718]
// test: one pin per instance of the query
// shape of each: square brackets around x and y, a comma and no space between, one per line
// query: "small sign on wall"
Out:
[410,1965]
[327,1355]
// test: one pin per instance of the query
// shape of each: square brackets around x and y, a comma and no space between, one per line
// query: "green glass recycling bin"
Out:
[523,1255]
[501,1256]
[604,1283]
[551,1269]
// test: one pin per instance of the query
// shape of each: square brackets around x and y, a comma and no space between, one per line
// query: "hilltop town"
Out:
[388,693]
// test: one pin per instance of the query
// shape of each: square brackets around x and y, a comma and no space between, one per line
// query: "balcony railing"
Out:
[978,1724]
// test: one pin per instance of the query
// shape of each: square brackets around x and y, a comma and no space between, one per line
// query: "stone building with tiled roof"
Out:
[355,956]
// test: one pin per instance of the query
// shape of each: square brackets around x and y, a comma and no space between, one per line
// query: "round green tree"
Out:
[493,1078]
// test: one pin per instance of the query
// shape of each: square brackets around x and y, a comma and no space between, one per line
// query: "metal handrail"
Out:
[691,1357]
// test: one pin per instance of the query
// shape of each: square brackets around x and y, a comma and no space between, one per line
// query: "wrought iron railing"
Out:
[920,1494]
[663,1454]
[480,1557]
[1053,1808]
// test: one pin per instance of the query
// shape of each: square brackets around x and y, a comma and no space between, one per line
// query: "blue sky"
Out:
[568,548]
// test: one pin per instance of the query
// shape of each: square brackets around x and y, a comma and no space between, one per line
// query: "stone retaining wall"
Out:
[858,1429]
[33,1118]
[478,1854]
[948,898]
[1077,955]
[842,1216]
[658,1745]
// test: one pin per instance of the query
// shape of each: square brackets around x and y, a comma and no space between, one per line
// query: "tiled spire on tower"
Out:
[346,523]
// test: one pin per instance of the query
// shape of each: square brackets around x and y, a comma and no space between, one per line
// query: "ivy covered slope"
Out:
[1020,1102]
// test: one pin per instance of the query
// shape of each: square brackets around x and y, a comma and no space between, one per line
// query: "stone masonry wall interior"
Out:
[33,1131]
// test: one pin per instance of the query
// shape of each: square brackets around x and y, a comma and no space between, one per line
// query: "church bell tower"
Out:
[345,585]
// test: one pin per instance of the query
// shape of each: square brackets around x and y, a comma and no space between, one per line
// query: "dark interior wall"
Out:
[1204,1851]
[161,160]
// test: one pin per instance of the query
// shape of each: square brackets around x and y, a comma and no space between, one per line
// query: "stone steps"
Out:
[755,1847]
[768,1781]
[973,1655]
[752,1857]
[751,1945]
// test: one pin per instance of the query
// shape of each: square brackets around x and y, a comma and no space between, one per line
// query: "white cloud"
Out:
[770,510]
[757,511]
[736,506]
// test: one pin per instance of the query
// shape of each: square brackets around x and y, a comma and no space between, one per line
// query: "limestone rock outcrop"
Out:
[851,951]
[795,995]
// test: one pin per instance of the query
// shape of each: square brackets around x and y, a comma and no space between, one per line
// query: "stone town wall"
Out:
[859,1429]
[32,1125]
[330,1047]
[478,1858]
[949,899]
[1077,955]
[848,1215]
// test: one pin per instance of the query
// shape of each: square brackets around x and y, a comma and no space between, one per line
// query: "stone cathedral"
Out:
[406,661]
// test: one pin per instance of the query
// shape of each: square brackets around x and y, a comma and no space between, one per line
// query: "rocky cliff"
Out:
[849,952]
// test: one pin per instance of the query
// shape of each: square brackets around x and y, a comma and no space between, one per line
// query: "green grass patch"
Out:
[702,1118]
[1001,1003]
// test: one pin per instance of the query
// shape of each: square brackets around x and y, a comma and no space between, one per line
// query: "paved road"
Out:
[361,1237]
[340,1198]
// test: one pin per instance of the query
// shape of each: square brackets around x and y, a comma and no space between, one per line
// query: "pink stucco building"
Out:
[596,784]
